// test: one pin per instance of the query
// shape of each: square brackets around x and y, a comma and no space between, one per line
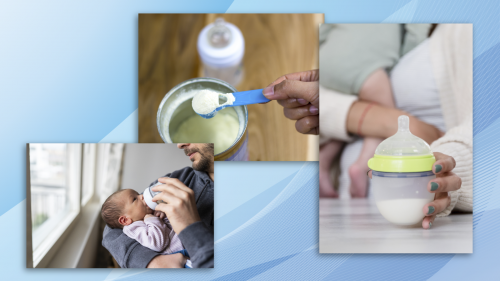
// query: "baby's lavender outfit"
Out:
[153,233]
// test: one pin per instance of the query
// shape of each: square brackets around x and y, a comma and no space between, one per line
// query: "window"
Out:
[89,166]
[64,180]
[109,164]
[55,193]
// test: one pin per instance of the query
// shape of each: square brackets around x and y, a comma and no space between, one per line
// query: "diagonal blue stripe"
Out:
[250,272]
[486,89]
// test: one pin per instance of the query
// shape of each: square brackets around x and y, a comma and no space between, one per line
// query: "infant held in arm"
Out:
[127,209]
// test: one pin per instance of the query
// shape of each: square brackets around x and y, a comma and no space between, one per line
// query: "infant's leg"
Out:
[358,170]
[327,153]
[377,89]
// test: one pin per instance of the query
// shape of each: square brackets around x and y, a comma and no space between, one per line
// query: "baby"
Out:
[127,209]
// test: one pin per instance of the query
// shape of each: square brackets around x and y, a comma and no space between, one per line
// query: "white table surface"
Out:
[356,226]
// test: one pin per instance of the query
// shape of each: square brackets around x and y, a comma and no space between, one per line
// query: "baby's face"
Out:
[134,206]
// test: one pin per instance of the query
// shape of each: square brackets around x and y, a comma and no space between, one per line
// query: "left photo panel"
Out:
[115,205]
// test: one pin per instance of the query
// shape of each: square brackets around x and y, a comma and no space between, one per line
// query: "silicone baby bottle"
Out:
[401,170]
[149,194]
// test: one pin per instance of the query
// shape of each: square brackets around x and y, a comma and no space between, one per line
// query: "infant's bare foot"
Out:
[359,180]
[327,153]
[325,185]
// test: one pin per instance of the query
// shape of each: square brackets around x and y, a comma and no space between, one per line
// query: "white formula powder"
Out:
[206,101]
[221,130]
[403,211]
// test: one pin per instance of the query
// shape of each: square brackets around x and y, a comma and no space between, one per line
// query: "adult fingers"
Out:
[443,164]
[300,112]
[308,125]
[171,182]
[441,202]
[170,198]
[305,76]
[293,89]
[313,131]
[428,221]
[444,182]
[293,103]
[167,188]
[165,208]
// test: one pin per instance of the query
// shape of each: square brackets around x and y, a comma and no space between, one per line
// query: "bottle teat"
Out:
[403,143]
[403,124]
[403,152]
[219,35]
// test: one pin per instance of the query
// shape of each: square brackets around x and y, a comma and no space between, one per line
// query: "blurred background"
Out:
[66,185]
[275,45]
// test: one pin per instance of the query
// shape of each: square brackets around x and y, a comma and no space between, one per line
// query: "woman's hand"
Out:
[445,181]
[180,207]
[298,93]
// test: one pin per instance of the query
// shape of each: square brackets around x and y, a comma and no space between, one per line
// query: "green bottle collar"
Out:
[401,164]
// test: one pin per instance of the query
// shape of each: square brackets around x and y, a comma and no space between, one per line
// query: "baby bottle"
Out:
[149,194]
[221,47]
[401,170]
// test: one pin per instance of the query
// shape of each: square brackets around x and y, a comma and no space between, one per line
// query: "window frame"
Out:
[104,169]
[60,226]
[89,166]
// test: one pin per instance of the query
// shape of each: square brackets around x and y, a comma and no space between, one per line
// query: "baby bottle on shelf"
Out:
[149,194]
[221,47]
[401,171]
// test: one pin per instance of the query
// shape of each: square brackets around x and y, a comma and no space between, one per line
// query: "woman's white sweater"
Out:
[451,59]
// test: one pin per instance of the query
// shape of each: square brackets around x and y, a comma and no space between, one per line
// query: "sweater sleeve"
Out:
[151,233]
[199,242]
[334,108]
[457,142]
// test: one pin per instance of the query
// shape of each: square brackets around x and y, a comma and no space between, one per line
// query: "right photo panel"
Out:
[396,138]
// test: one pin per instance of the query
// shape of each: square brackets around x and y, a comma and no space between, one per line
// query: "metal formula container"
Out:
[176,107]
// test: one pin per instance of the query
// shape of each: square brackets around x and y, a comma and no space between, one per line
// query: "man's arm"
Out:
[199,243]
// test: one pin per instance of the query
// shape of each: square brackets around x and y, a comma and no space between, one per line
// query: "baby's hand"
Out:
[160,214]
[148,216]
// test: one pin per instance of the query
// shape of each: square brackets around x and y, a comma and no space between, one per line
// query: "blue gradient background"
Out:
[68,73]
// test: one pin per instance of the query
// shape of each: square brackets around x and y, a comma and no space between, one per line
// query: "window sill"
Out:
[78,249]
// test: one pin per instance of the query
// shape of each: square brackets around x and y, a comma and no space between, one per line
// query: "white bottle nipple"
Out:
[219,36]
[403,124]
[403,143]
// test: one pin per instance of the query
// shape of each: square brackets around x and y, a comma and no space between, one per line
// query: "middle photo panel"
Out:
[236,80]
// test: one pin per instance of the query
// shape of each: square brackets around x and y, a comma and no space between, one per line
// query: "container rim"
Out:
[191,81]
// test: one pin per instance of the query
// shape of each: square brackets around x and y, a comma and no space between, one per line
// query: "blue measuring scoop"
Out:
[240,98]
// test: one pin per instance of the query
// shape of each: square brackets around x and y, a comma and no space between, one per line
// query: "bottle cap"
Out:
[402,152]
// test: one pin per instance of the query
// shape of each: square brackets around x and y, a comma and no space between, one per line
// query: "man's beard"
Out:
[207,154]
